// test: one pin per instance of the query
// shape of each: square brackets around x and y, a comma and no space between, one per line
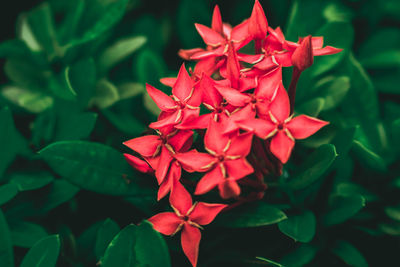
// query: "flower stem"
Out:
[292,88]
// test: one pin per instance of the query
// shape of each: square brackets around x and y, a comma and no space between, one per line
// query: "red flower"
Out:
[183,104]
[187,217]
[225,162]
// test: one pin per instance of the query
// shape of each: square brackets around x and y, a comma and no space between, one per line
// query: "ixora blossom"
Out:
[248,116]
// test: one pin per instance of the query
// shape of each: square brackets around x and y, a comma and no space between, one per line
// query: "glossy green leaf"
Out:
[151,249]
[13,49]
[300,256]
[342,208]
[74,125]
[385,39]
[7,192]
[349,254]
[26,234]
[31,181]
[92,166]
[393,213]
[25,33]
[32,101]
[44,253]
[119,51]
[368,157]
[113,13]
[333,90]
[11,140]
[70,23]
[60,192]
[155,30]
[106,94]
[24,74]
[313,168]
[121,251]
[105,234]
[385,59]
[392,228]
[125,122]
[130,89]
[81,77]
[312,107]
[348,189]
[6,249]
[251,215]
[149,68]
[299,227]
[272,263]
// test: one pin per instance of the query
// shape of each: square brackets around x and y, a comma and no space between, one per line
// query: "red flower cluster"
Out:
[250,127]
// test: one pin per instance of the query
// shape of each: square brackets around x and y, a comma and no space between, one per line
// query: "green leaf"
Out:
[105,234]
[124,121]
[44,253]
[313,168]
[251,215]
[7,192]
[385,39]
[333,90]
[59,86]
[25,74]
[130,89]
[24,32]
[384,59]
[6,249]
[393,213]
[339,35]
[368,157]
[342,208]
[41,23]
[81,77]
[112,14]
[349,254]
[106,94]
[60,192]
[151,249]
[348,189]
[119,51]
[26,234]
[70,23]
[149,68]
[299,227]
[13,49]
[92,166]
[74,125]
[33,101]
[11,140]
[300,256]
[31,181]
[344,140]
[120,252]
[392,228]
[272,263]
[312,107]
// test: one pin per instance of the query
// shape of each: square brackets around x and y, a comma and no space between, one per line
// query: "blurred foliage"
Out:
[74,91]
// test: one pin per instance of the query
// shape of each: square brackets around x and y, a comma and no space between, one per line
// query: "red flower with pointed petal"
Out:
[187,217]
[226,159]
[284,129]
[258,25]
[183,104]
[138,164]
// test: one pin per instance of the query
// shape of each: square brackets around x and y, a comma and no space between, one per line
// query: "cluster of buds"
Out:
[249,122]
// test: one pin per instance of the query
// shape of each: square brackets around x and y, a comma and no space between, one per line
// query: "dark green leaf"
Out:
[124,122]
[312,107]
[299,227]
[31,181]
[74,125]
[60,192]
[11,140]
[393,213]
[13,49]
[121,251]
[349,254]
[342,208]
[81,77]
[251,215]
[112,14]
[300,256]
[26,234]
[119,51]
[151,249]
[333,90]
[106,94]
[368,157]
[24,74]
[44,253]
[7,192]
[149,68]
[6,249]
[105,235]
[348,189]
[92,166]
[272,263]
[313,168]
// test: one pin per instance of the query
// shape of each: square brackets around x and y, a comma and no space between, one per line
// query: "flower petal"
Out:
[302,57]
[233,96]
[303,126]
[281,146]
[195,161]
[280,106]
[163,101]
[170,118]
[238,168]
[229,189]
[138,164]
[181,139]
[214,139]
[190,241]
[261,128]
[209,181]
[174,174]
[327,50]
[168,81]
[200,122]
[258,24]
[145,145]
[209,36]
[233,67]
[240,145]
[216,22]
[183,85]
[268,83]
[205,213]
[180,199]
[163,164]
[166,222]
[187,53]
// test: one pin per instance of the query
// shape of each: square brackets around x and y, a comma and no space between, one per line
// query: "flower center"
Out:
[281,126]
[220,158]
